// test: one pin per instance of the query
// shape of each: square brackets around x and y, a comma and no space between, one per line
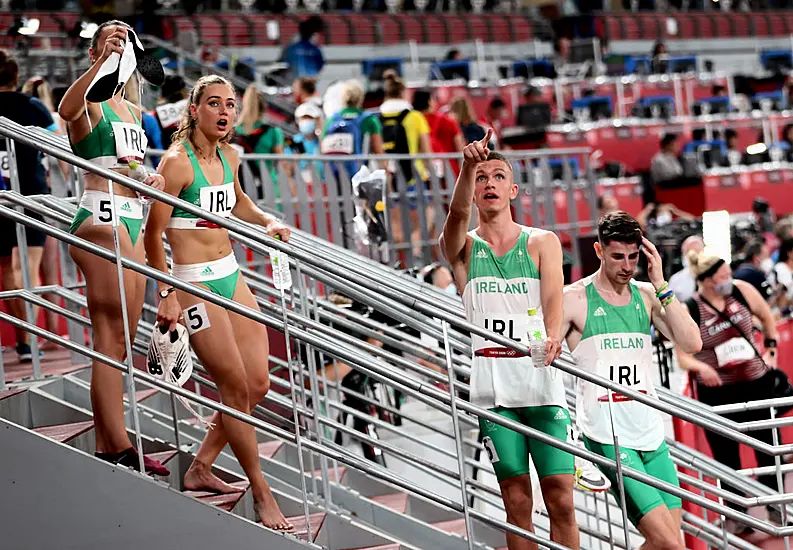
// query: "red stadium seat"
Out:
[337,30]
[740,25]
[210,29]
[760,25]
[458,29]
[387,29]
[410,30]
[436,28]
[238,30]
[778,25]
[362,28]
[614,28]
[686,28]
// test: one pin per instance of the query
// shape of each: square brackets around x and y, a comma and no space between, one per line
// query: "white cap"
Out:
[308,109]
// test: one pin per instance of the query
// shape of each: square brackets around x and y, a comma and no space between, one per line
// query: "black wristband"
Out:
[770,342]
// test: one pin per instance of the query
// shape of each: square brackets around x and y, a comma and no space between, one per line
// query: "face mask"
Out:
[663,218]
[767,265]
[307,127]
[686,263]
[451,289]
[725,288]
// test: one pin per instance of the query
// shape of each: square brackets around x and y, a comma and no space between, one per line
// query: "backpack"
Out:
[344,136]
[395,140]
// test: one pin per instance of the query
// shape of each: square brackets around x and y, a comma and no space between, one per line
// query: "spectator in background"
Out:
[304,57]
[306,142]
[304,89]
[406,131]
[665,166]
[783,229]
[170,106]
[57,177]
[150,125]
[684,283]
[718,90]
[462,110]
[445,133]
[729,368]
[370,135]
[453,55]
[783,273]
[658,60]
[255,136]
[658,215]
[607,204]
[756,267]
[495,117]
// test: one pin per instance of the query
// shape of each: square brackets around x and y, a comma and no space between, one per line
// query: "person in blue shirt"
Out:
[151,127]
[304,57]
[306,141]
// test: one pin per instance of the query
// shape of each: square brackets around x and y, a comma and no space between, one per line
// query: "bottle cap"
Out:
[532,311]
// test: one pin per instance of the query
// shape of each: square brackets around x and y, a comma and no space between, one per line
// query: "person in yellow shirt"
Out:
[405,131]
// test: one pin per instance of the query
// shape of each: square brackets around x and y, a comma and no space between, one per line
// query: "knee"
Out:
[518,504]
[559,502]
[258,386]
[234,393]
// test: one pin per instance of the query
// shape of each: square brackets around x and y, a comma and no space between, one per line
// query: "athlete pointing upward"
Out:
[502,270]
[607,319]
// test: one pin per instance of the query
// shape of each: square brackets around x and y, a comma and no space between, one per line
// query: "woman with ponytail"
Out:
[202,168]
[108,133]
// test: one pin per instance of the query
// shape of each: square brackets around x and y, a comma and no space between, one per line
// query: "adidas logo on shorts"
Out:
[126,207]
[600,312]
[207,271]
[560,415]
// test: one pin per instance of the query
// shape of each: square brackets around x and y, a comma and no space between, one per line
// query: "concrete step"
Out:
[63,433]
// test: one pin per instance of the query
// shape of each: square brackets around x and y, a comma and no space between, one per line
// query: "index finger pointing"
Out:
[485,140]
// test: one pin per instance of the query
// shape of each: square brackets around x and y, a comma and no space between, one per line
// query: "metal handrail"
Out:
[307,336]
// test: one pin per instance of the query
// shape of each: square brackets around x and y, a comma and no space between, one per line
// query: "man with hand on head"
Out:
[607,320]
[502,270]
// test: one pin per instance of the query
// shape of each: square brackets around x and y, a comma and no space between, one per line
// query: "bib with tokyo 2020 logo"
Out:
[497,296]
[616,344]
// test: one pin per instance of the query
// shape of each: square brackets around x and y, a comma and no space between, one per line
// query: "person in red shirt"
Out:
[445,133]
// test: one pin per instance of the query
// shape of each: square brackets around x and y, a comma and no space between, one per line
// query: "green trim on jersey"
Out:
[100,142]
[192,193]
[516,262]
[603,318]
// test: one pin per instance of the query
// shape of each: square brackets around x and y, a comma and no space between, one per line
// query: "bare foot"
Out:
[201,479]
[271,515]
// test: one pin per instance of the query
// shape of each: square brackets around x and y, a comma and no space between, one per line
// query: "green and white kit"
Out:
[216,199]
[616,344]
[497,296]
[112,144]
[221,275]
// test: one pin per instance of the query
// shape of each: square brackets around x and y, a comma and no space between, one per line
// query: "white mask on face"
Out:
[451,289]
[767,266]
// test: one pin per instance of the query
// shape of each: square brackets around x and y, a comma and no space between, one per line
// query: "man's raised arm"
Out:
[459,217]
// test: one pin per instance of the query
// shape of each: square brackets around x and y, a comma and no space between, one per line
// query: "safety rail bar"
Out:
[308,338]
[429,395]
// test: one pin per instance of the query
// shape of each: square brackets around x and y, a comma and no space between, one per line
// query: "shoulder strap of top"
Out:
[132,112]
[228,175]
[197,172]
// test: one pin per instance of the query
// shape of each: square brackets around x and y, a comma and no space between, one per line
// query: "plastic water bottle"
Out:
[282,274]
[536,331]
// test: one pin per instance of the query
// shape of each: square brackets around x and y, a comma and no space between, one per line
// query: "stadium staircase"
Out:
[52,488]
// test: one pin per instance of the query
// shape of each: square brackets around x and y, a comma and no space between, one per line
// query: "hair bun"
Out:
[693,258]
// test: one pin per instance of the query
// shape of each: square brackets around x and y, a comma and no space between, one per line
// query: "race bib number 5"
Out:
[196,318]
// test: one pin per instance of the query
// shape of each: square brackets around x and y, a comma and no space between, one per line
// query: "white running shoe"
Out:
[588,477]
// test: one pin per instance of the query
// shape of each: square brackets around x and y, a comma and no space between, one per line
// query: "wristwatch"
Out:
[770,343]
[164,293]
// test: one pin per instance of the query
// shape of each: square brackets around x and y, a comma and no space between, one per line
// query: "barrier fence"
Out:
[556,191]
[304,316]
